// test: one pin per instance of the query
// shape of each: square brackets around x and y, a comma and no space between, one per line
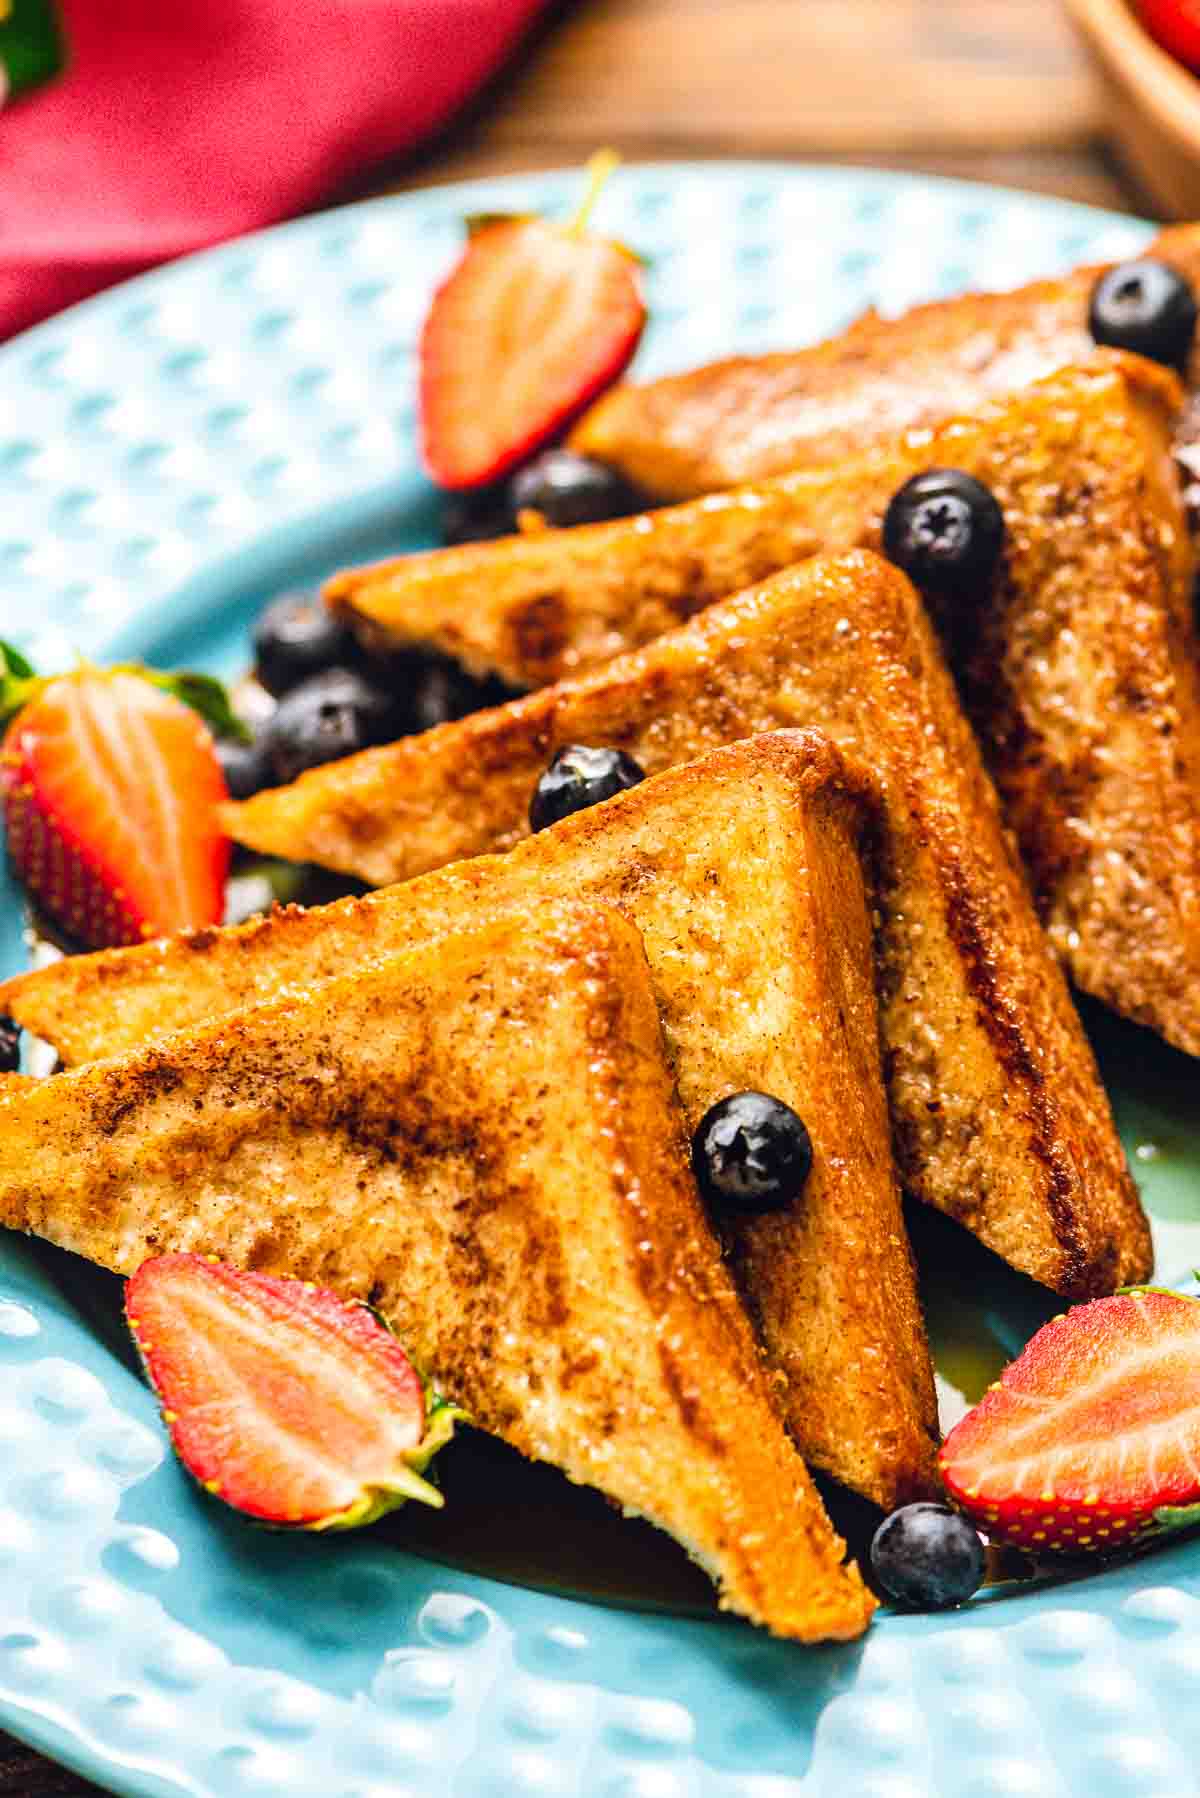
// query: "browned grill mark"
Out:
[539,629]
[970,932]
[688,1402]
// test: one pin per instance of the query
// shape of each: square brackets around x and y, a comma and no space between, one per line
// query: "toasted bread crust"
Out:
[506,1225]
[744,876]
[997,1109]
[1081,675]
[1079,668]
[539,607]
[747,417]
[975,1011]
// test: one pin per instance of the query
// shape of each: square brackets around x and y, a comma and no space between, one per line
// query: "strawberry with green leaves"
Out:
[535,321]
[1090,1440]
[293,1406]
[110,786]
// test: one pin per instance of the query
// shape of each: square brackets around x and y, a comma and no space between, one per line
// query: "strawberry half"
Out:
[283,1400]
[110,788]
[536,320]
[1091,1437]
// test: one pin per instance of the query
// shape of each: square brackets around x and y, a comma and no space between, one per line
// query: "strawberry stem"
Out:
[18,682]
[599,168]
[203,693]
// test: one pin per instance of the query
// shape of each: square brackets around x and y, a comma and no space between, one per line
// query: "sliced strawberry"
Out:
[110,789]
[282,1399]
[1175,24]
[536,320]
[1092,1436]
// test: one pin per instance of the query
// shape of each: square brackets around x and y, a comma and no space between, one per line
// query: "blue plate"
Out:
[170,455]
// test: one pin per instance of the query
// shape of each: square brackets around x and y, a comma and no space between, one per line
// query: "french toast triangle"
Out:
[997,1109]
[750,416]
[744,874]
[479,1137]
[1079,668]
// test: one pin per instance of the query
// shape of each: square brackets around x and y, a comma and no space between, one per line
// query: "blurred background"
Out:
[996,90]
[134,130]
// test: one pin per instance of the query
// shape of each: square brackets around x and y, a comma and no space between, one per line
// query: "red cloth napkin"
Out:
[181,122]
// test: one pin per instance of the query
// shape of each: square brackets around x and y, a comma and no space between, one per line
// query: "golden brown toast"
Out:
[535,608]
[480,1138]
[1079,668]
[747,417]
[998,1111]
[744,874]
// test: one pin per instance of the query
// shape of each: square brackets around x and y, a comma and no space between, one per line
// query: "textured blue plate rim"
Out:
[459,197]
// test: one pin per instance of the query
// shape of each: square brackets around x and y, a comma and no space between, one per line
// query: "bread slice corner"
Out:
[479,1137]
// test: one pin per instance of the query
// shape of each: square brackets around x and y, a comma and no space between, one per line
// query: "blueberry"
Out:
[1146,306]
[332,715]
[926,1557]
[477,514]
[568,489]
[442,691]
[578,777]
[247,767]
[10,1046]
[296,637]
[751,1152]
[945,530]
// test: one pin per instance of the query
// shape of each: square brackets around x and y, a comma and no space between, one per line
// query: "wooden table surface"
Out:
[996,90]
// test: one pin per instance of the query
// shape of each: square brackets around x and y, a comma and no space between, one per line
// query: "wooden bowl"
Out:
[1153,104]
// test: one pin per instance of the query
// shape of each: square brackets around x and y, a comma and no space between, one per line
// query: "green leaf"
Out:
[1169,1518]
[18,683]
[439,1429]
[1169,1292]
[406,1484]
[14,662]
[203,693]
[475,222]
[31,43]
